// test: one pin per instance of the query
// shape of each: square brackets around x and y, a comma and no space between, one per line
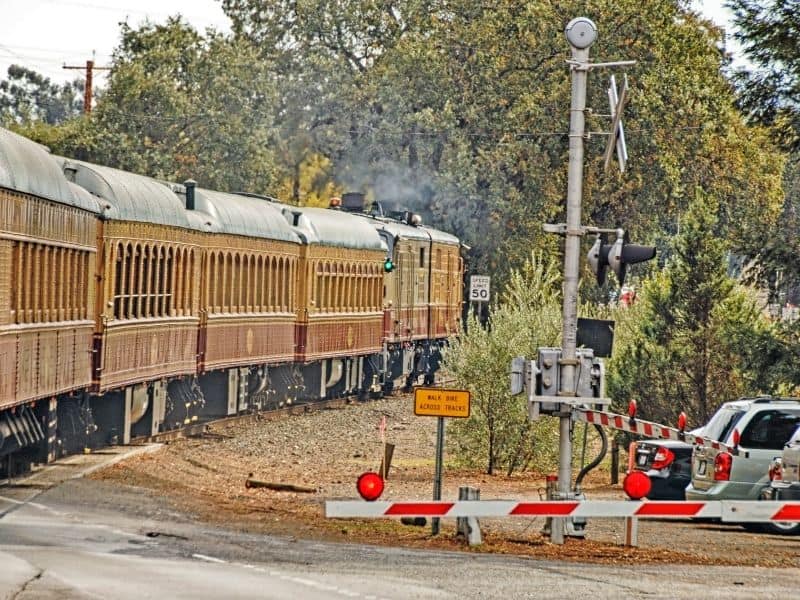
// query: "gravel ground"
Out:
[326,450]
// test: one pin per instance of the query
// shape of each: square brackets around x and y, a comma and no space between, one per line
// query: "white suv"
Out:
[763,426]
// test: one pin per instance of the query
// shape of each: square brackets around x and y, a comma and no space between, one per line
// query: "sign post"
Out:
[441,403]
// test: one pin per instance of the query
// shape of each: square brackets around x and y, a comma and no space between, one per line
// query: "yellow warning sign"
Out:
[438,402]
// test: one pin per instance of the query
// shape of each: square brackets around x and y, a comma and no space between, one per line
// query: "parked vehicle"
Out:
[668,463]
[759,428]
[784,472]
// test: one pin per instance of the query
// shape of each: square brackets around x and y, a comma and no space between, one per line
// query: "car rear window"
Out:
[770,429]
[722,423]
[795,437]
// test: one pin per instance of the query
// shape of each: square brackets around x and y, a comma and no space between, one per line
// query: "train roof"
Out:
[128,196]
[399,229]
[442,237]
[414,232]
[333,228]
[28,167]
[241,215]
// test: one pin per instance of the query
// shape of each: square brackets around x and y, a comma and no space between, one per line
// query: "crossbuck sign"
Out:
[479,288]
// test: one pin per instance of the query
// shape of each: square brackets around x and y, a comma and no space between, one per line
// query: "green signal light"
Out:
[388,265]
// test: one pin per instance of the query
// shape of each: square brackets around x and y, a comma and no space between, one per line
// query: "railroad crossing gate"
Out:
[740,511]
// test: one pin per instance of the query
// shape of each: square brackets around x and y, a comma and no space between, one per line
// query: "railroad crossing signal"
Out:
[479,288]
[618,256]
[616,103]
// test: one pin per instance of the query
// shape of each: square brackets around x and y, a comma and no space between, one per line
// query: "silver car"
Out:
[762,427]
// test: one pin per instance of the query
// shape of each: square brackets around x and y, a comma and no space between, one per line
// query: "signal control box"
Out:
[542,380]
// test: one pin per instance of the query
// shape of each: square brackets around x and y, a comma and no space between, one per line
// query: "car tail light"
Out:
[775,471]
[722,466]
[663,458]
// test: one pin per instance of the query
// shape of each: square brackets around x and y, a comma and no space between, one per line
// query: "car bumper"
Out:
[783,492]
[666,488]
[725,490]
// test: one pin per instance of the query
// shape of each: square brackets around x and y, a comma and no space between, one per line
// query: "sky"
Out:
[44,35]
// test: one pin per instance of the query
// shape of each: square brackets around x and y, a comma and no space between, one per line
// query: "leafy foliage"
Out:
[459,111]
[28,97]
[498,433]
[684,345]
[769,31]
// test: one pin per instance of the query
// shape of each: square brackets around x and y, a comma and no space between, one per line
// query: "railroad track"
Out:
[200,428]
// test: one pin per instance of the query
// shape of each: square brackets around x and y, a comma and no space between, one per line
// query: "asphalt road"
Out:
[87,539]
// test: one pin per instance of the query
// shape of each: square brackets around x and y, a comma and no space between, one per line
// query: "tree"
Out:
[768,31]
[498,433]
[682,345]
[27,97]
[182,105]
[768,88]
[459,111]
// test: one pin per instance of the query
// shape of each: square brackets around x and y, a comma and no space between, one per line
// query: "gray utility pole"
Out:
[581,34]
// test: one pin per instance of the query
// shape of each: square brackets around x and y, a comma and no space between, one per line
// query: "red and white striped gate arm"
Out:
[731,511]
[646,428]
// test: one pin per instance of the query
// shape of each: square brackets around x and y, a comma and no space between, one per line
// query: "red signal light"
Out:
[682,421]
[636,485]
[370,486]
[632,409]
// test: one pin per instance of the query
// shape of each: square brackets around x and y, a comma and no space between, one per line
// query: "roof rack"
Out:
[768,399]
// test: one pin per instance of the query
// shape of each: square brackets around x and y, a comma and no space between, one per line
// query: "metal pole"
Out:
[574,234]
[437,478]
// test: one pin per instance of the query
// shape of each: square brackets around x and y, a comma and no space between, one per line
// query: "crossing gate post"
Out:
[631,537]
[469,526]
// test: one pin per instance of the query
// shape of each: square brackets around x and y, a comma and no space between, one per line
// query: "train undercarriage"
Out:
[48,429]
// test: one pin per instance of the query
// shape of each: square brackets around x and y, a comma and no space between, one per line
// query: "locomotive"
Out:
[131,306]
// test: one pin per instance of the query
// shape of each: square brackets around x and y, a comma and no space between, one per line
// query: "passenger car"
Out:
[758,428]
[785,472]
[668,463]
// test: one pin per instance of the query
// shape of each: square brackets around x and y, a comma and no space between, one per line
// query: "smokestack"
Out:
[353,202]
[190,184]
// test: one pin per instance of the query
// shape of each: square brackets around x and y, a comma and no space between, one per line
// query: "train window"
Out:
[38,290]
[422,257]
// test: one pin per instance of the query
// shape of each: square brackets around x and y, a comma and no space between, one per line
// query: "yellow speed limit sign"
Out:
[438,402]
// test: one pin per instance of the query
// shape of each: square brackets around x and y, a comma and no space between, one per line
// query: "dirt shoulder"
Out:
[327,449]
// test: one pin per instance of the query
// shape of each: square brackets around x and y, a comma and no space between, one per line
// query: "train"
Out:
[131,306]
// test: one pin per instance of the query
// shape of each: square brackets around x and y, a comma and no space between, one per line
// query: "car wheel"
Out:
[779,527]
[782,528]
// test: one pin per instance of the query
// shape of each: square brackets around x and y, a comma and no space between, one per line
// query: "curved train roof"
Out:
[437,235]
[128,196]
[333,228]
[28,167]
[414,232]
[242,215]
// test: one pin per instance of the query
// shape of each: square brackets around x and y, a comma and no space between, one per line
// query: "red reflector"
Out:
[636,485]
[544,508]
[370,486]
[789,512]
[669,509]
[418,509]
